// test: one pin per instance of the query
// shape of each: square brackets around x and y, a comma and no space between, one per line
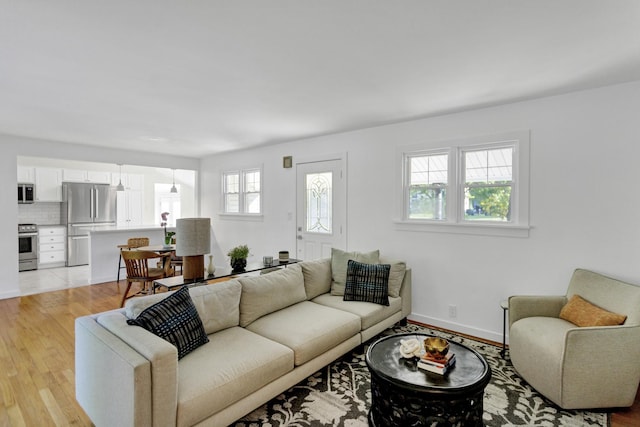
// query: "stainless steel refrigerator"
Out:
[85,207]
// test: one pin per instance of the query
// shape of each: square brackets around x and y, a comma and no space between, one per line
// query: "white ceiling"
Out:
[199,77]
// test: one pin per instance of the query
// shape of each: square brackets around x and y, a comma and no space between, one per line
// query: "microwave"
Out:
[26,193]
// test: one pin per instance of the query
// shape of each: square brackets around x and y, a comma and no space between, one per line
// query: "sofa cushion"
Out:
[209,379]
[367,282]
[218,304]
[262,295]
[339,265]
[581,312]
[307,328]
[396,276]
[369,313]
[176,320]
[317,277]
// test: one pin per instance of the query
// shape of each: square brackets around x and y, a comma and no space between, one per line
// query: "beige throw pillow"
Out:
[396,276]
[339,261]
[581,312]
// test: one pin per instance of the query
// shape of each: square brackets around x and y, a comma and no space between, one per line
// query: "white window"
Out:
[166,201]
[488,183]
[475,186]
[427,180]
[242,191]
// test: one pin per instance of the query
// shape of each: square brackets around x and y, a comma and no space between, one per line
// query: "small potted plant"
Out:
[238,257]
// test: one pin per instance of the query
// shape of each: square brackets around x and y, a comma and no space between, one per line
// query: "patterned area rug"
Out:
[339,395]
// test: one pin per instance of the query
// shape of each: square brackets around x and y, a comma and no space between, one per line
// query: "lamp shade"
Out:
[193,236]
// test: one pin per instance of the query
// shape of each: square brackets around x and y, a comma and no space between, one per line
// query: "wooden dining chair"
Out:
[132,242]
[138,270]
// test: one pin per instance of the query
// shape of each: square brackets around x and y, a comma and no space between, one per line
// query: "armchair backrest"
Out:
[605,292]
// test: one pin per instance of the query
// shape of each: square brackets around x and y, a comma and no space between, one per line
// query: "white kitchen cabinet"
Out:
[26,174]
[48,185]
[99,177]
[79,175]
[74,175]
[129,207]
[51,246]
[130,181]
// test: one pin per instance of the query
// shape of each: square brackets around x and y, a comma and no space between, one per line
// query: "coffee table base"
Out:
[395,406]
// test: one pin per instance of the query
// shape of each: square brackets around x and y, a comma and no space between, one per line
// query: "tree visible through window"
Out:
[488,178]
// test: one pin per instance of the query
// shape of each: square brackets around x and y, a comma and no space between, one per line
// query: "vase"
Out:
[211,268]
[238,264]
[167,240]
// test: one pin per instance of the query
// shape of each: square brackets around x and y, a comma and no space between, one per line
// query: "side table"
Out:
[504,305]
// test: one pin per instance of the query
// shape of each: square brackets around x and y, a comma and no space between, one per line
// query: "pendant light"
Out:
[120,187]
[173,188]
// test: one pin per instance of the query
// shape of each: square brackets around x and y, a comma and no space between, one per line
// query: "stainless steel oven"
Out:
[27,247]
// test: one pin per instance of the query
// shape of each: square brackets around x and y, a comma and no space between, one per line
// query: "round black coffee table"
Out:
[404,395]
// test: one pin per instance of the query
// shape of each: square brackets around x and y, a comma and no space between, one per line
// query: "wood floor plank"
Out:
[37,383]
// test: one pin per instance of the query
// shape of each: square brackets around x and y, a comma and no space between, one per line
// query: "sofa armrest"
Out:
[521,306]
[405,293]
[109,377]
[163,359]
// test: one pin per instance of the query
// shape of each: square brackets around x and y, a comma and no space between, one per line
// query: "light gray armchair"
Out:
[578,367]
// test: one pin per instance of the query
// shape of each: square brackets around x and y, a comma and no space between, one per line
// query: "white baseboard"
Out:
[458,327]
[10,294]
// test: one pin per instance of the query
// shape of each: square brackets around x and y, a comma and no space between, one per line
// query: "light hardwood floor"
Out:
[37,357]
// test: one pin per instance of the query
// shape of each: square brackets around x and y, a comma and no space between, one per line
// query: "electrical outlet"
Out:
[453,311]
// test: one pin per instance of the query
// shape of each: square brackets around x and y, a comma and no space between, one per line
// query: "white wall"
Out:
[13,146]
[585,149]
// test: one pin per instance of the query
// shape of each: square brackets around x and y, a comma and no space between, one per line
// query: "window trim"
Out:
[242,214]
[454,222]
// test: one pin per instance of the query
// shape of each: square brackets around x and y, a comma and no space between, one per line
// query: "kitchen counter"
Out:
[104,252]
[127,229]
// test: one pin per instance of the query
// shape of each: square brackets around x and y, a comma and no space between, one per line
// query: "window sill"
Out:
[500,230]
[241,217]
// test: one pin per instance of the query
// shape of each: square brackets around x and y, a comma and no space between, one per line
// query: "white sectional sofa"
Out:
[266,333]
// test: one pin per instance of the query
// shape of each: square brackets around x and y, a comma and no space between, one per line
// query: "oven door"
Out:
[27,246]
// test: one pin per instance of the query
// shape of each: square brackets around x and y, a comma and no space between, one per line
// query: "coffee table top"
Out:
[470,371]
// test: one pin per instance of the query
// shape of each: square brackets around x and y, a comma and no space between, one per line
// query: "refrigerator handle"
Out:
[96,208]
[91,203]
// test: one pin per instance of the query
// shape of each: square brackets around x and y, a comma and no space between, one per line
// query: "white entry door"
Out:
[321,208]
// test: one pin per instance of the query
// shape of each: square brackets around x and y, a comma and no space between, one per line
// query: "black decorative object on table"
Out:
[238,257]
[402,394]
[238,264]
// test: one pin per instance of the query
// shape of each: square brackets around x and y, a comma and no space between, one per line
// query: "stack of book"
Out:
[437,365]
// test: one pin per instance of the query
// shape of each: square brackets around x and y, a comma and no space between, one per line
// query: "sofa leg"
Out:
[403,322]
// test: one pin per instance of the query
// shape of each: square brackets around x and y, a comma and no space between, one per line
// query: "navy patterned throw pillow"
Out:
[176,320]
[367,282]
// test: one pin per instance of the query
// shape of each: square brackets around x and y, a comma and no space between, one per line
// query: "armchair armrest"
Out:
[606,358]
[521,306]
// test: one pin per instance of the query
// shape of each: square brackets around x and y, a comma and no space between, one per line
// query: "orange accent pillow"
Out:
[581,312]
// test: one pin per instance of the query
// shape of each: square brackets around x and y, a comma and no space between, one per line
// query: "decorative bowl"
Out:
[436,347]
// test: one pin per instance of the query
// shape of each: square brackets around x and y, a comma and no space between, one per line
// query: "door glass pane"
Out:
[319,199]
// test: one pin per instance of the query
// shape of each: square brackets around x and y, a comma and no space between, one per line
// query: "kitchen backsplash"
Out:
[41,213]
